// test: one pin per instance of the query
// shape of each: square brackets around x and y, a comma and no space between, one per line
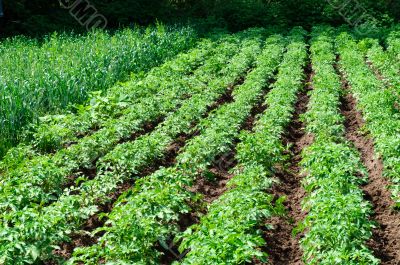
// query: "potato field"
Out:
[255,147]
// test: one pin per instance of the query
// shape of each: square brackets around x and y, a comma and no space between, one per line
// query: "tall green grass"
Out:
[41,77]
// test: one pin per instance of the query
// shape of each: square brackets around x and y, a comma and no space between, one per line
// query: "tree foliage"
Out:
[39,16]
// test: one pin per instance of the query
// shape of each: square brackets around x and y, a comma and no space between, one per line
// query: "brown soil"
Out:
[377,73]
[282,247]
[226,97]
[147,127]
[213,184]
[385,241]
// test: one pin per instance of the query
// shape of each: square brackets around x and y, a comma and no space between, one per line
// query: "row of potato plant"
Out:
[393,43]
[33,233]
[383,63]
[337,224]
[41,179]
[44,77]
[378,106]
[149,214]
[229,233]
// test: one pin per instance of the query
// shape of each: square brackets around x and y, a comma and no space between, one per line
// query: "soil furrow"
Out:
[281,240]
[213,185]
[385,241]
[377,73]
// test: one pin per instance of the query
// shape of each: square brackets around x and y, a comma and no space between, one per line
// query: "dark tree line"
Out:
[41,16]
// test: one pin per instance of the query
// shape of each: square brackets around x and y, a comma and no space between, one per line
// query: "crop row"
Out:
[393,42]
[229,232]
[383,62]
[41,179]
[378,106]
[40,78]
[337,224]
[149,213]
[33,233]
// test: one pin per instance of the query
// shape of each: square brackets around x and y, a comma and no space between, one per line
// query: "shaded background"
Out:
[37,17]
